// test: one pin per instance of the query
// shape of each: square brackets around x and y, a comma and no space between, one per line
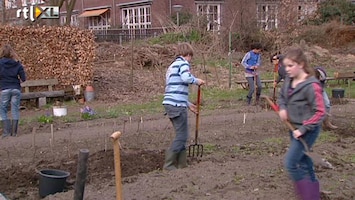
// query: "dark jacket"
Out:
[305,105]
[11,74]
[282,73]
[281,70]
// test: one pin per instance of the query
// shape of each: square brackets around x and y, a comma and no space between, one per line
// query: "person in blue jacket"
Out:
[12,74]
[251,62]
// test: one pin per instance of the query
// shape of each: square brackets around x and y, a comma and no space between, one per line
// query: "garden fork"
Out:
[197,149]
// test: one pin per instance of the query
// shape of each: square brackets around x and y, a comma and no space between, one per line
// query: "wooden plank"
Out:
[262,81]
[40,82]
[344,75]
[27,89]
[35,95]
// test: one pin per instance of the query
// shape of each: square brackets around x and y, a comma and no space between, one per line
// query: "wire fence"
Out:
[124,35]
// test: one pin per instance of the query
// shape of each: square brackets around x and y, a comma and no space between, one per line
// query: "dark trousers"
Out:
[252,86]
[178,117]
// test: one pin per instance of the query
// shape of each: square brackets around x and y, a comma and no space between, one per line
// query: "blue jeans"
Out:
[252,86]
[298,164]
[13,96]
[178,117]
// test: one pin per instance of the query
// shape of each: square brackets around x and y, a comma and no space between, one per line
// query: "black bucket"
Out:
[338,93]
[51,181]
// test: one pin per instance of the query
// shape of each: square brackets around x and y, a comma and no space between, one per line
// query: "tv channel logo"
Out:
[38,12]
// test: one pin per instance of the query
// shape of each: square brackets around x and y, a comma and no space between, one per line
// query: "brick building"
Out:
[144,14]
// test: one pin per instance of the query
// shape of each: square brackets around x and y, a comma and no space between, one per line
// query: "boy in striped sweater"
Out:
[176,102]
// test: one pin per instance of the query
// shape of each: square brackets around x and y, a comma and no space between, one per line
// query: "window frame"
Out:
[206,9]
[267,16]
[137,17]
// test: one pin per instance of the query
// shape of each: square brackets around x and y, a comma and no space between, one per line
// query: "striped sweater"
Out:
[178,78]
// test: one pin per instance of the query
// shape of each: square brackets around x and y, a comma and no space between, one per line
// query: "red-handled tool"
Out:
[197,149]
[315,157]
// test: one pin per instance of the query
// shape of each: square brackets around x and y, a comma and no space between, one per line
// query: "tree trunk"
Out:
[59,3]
[70,6]
[3,16]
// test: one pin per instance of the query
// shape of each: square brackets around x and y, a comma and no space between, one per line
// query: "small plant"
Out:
[87,113]
[45,119]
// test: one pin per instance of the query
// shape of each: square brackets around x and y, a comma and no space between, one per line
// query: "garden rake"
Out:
[197,149]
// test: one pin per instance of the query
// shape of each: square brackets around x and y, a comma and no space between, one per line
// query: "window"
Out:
[31,2]
[136,17]
[212,13]
[73,20]
[10,4]
[306,10]
[267,16]
[100,22]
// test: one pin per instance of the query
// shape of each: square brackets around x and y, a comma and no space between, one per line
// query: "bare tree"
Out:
[3,14]
[69,4]
[69,7]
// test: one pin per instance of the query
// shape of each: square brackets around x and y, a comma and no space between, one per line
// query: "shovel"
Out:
[317,159]
[197,149]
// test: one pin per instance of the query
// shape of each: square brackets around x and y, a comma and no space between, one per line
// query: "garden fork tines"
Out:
[197,149]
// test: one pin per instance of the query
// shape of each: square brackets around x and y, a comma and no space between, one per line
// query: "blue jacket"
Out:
[11,74]
[251,59]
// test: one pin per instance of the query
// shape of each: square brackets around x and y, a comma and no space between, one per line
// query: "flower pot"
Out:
[89,93]
[59,111]
[52,181]
[338,93]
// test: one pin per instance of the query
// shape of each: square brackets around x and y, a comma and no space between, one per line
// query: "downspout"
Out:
[170,7]
[114,13]
[82,10]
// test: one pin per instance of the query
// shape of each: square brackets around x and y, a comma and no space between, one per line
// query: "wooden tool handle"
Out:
[288,124]
[198,112]
[117,161]
[115,135]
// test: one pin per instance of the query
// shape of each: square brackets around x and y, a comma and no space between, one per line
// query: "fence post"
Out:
[120,38]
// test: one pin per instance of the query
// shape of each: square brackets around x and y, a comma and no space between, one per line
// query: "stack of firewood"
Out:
[64,53]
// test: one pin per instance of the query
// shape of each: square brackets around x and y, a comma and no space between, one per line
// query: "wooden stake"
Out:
[52,134]
[81,174]
[116,150]
[244,118]
[34,137]
[124,126]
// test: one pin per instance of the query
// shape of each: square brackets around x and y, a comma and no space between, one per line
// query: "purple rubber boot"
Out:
[307,190]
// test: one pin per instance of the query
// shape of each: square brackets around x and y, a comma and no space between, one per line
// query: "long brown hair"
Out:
[297,55]
[8,52]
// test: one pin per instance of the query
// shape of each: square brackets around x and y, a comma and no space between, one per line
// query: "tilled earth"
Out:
[241,160]
[244,146]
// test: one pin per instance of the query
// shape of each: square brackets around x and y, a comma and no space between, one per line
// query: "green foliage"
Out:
[45,119]
[341,10]
[173,38]
[327,137]
[184,18]
[87,116]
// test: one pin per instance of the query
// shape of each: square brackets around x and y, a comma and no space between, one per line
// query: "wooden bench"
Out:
[41,95]
[244,84]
